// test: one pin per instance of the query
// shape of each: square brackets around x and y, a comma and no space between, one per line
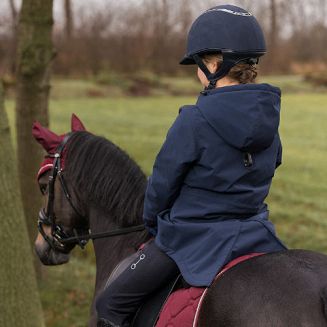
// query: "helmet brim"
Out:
[187,60]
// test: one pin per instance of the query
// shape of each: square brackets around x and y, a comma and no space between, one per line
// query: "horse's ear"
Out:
[45,137]
[77,125]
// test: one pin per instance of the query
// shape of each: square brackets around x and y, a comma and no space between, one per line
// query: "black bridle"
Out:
[62,240]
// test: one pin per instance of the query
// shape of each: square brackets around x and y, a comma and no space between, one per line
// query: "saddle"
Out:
[148,314]
[177,303]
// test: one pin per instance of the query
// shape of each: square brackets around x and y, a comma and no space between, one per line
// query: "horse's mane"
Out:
[107,176]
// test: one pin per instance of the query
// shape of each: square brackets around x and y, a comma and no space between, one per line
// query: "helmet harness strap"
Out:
[228,63]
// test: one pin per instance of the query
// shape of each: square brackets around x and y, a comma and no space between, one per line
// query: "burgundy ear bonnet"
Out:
[50,142]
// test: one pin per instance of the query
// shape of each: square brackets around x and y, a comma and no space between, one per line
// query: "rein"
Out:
[61,238]
[93,236]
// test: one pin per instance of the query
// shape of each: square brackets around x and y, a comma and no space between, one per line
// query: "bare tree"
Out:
[14,12]
[14,18]
[134,36]
[19,301]
[35,54]
[273,33]
[69,21]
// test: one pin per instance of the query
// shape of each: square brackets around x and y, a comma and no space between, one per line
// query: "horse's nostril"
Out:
[42,251]
[50,257]
[39,240]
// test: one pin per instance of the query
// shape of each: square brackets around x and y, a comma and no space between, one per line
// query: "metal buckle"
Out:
[248,160]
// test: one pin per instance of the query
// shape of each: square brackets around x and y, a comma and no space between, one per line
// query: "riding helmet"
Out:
[229,30]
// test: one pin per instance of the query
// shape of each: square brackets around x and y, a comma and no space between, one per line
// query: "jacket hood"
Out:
[246,116]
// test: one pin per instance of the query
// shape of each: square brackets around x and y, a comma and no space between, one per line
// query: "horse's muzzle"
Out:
[48,256]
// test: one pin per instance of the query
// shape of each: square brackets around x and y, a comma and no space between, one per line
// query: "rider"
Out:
[204,202]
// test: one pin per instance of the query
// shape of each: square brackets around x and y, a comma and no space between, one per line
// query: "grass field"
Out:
[298,197]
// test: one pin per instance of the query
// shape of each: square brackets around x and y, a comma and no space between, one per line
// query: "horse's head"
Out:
[63,217]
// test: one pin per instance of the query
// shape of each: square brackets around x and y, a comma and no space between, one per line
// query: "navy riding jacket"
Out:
[204,201]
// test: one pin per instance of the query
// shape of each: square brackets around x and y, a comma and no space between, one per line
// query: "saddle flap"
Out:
[149,312]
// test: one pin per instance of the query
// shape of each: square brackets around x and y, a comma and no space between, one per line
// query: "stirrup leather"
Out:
[105,323]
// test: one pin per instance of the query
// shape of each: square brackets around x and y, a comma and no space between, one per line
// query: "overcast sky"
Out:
[311,11]
[77,4]
[58,4]
[88,5]
[58,8]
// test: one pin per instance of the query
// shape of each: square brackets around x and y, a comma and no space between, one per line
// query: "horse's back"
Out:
[287,288]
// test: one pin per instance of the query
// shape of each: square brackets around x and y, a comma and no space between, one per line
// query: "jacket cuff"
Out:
[152,230]
[151,226]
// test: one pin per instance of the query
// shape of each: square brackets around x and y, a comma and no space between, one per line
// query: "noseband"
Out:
[60,238]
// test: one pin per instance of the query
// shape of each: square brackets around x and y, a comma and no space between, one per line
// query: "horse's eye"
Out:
[43,188]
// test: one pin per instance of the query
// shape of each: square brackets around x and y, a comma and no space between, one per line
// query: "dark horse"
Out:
[102,189]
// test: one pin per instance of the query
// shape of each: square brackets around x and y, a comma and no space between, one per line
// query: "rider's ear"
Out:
[77,125]
[45,137]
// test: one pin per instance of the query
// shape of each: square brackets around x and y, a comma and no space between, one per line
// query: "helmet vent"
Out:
[237,13]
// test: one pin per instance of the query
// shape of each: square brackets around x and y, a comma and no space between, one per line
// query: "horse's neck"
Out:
[109,251]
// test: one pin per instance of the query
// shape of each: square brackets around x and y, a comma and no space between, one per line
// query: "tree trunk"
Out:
[69,23]
[273,35]
[34,57]
[13,45]
[19,299]
[13,10]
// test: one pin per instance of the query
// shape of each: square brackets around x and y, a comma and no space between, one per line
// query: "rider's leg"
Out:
[120,300]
